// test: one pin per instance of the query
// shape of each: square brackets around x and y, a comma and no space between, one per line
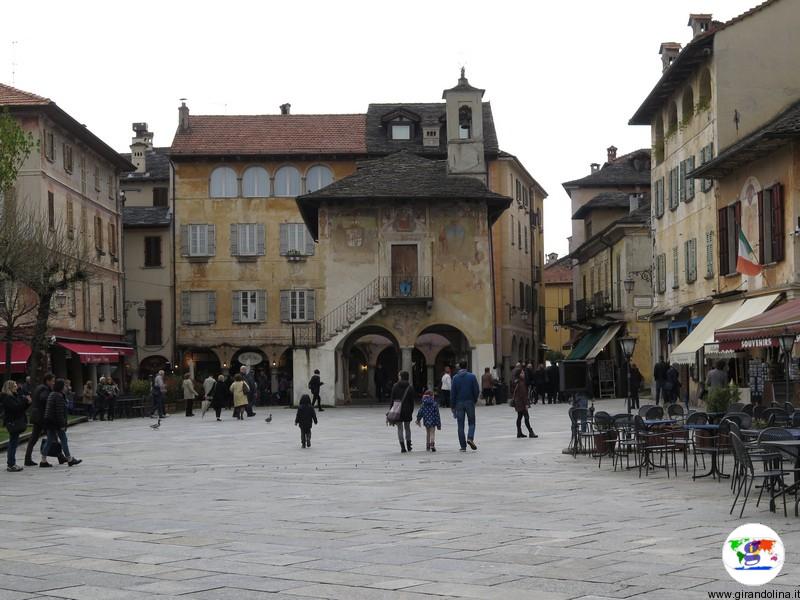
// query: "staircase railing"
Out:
[348,312]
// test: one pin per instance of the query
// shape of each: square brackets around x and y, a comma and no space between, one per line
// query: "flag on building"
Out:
[746,263]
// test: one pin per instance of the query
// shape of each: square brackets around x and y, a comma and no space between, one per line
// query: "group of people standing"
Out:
[48,415]
[103,401]
[543,382]
[668,382]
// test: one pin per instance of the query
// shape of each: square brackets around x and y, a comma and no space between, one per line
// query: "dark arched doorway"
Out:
[358,373]
[440,346]
[201,362]
[151,365]
[369,362]
[419,370]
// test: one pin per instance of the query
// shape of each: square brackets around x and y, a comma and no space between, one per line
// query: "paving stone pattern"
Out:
[208,510]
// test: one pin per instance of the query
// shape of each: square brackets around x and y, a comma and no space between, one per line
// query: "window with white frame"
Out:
[296,239]
[297,305]
[318,177]
[255,183]
[249,306]
[198,308]
[223,183]
[198,240]
[401,131]
[247,239]
[287,181]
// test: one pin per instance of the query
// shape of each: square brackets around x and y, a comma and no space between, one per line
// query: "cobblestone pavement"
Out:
[207,510]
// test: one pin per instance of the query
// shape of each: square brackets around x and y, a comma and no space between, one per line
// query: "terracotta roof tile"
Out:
[11,96]
[253,135]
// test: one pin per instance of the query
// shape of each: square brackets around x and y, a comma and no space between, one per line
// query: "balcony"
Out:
[404,289]
[581,310]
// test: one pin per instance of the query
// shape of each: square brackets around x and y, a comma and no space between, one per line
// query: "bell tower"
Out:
[464,108]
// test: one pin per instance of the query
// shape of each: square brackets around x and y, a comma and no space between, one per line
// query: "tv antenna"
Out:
[13,62]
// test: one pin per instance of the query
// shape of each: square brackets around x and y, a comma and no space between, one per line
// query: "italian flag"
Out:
[746,263]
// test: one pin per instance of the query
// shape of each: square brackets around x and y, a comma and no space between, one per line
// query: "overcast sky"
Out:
[563,77]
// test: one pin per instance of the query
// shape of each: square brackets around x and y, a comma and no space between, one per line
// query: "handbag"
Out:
[393,416]
[204,406]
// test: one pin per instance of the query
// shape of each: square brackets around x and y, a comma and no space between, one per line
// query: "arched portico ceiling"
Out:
[430,344]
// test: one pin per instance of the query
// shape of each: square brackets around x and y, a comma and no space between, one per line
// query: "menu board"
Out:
[758,373]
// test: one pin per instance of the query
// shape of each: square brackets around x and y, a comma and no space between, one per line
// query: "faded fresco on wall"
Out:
[354,232]
[404,219]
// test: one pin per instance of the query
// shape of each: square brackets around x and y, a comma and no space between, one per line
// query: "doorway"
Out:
[405,269]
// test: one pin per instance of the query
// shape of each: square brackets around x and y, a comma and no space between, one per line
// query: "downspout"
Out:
[173,275]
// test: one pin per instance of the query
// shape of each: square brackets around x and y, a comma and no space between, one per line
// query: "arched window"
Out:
[704,99]
[672,120]
[658,142]
[318,177]
[687,105]
[224,183]
[287,182]
[255,183]
[464,123]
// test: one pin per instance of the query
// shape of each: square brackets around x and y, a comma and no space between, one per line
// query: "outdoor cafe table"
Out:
[791,447]
[714,470]
[659,422]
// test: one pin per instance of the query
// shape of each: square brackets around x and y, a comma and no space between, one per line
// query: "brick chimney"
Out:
[612,153]
[183,116]
[669,52]
[552,257]
[595,167]
[286,109]
[635,200]
[700,23]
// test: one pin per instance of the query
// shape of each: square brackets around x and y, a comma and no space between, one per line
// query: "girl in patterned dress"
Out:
[428,414]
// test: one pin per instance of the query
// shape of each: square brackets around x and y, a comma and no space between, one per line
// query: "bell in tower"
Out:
[464,108]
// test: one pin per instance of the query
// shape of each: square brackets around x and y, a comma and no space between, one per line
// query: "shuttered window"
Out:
[674,188]
[296,239]
[70,219]
[770,225]
[152,323]
[198,308]
[728,224]
[709,254]
[688,182]
[198,240]
[51,211]
[675,267]
[659,198]
[661,272]
[706,154]
[690,257]
[249,306]
[297,305]
[248,239]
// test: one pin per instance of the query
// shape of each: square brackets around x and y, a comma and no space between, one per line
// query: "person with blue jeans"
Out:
[55,419]
[463,397]
[15,420]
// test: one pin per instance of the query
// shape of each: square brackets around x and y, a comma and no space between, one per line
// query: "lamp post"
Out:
[786,341]
[628,284]
[628,344]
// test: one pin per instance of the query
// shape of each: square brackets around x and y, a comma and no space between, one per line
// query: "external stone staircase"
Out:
[352,312]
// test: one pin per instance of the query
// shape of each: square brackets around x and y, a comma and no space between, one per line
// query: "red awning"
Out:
[121,350]
[20,353]
[761,330]
[91,353]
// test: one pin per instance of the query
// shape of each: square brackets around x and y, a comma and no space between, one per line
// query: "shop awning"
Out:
[751,307]
[608,334]
[20,353]
[678,325]
[761,330]
[686,351]
[121,350]
[91,353]
[586,344]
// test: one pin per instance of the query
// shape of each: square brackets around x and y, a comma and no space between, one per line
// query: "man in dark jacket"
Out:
[552,376]
[404,392]
[314,384]
[38,405]
[55,421]
[464,396]
[539,384]
[635,383]
[673,381]
[660,378]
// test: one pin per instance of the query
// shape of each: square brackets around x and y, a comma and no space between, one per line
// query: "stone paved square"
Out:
[208,510]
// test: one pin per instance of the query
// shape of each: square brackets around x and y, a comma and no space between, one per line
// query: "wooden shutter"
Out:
[309,242]
[237,307]
[261,305]
[186,308]
[686,260]
[689,182]
[722,231]
[737,222]
[285,316]
[211,232]
[184,240]
[234,239]
[682,181]
[261,239]
[709,254]
[311,305]
[284,250]
[111,249]
[212,307]
[761,222]
[778,234]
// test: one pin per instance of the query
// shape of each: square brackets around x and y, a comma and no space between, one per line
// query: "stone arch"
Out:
[672,118]
[704,91]
[687,105]
[439,345]
[374,347]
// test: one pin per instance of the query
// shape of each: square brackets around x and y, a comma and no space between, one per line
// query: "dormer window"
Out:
[401,131]
[464,123]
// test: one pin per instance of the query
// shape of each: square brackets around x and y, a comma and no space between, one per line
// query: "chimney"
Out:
[183,116]
[552,257]
[595,167]
[634,200]
[286,109]
[699,23]
[142,142]
[669,52]
[612,153]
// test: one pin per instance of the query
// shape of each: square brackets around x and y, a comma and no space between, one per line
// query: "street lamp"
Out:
[628,283]
[786,340]
[628,344]
[141,310]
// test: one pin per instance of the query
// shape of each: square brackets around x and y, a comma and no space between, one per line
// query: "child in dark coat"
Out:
[305,416]
[428,414]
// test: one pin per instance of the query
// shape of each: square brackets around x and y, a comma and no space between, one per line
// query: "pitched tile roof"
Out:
[430,114]
[146,216]
[156,163]
[606,200]
[11,96]
[559,271]
[265,135]
[628,169]
[401,176]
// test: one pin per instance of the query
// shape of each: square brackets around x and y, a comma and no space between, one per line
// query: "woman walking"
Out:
[189,394]
[520,397]
[55,419]
[239,389]
[404,392]
[14,419]
[218,394]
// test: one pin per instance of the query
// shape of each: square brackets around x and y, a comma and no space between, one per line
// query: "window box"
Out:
[295,256]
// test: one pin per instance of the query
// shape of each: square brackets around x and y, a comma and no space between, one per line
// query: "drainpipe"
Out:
[173,274]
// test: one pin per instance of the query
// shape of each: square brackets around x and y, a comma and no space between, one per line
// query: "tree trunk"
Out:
[39,340]
[7,366]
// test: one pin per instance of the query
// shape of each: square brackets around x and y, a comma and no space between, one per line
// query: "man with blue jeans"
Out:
[463,397]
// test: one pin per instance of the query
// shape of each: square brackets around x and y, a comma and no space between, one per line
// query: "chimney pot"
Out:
[669,51]
[612,153]
[286,109]
[595,167]
[183,117]
[700,24]
[634,200]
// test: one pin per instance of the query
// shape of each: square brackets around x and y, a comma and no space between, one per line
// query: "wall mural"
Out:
[404,219]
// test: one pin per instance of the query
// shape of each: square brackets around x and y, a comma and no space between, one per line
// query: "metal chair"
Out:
[742,419]
[795,419]
[776,416]
[737,407]
[627,443]
[675,411]
[769,477]
[789,407]
[758,411]
[643,409]
[653,413]
[604,425]
[748,409]
[578,420]
[652,443]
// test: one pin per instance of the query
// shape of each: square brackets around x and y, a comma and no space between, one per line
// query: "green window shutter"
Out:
[309,242]
[284,239]
[186,308]
[285,316]
[184,240]
[236,311]
[261,305]
[234,239]
[211,232]
[689,182]
[311,305]
[212,307]
[261,239]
